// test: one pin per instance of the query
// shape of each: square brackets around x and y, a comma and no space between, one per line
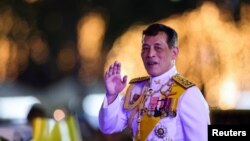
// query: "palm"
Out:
[114,84]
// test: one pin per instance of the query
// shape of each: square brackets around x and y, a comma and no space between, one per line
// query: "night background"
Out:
[54,52]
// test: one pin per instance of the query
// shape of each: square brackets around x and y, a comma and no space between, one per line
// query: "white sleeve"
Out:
[112,117]
[194,114]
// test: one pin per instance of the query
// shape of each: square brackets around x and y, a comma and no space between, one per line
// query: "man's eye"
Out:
[158,48]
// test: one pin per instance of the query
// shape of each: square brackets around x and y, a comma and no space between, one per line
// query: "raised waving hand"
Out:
[114,83]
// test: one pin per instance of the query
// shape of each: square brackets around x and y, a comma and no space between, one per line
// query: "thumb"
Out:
[124,80]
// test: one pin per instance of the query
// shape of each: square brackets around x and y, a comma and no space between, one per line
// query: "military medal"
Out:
[172,113]
[160,131]
[164,114]
[157,113]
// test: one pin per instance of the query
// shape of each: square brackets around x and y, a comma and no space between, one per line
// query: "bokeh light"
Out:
[59,114]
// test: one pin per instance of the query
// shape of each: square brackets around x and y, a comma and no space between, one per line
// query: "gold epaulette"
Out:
[139,79]
[182,81]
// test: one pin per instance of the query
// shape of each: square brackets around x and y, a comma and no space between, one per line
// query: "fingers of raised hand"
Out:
[114,69]
[109,71]
[117,68]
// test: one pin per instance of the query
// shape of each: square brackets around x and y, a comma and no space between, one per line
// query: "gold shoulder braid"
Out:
[139,79]
[127,104]
[182,81]
[177,89]
[134,107]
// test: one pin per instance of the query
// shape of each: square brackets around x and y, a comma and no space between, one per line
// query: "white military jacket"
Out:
[189,124]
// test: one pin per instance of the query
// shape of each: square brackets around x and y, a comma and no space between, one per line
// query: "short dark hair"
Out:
[155,28]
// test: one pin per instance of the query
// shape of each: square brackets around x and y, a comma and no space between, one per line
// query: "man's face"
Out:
[156,55]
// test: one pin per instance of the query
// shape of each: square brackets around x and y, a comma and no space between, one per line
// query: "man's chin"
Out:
[153,73]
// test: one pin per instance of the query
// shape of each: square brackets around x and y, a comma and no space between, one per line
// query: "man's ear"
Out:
[175,52]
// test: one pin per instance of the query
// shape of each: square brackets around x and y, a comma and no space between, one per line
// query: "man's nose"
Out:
[151,52]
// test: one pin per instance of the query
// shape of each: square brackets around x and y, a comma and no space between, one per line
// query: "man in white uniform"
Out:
[161,106]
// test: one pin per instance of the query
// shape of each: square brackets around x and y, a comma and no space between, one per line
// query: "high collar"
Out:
[158,81]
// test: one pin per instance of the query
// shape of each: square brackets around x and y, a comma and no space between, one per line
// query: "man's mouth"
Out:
[151,63]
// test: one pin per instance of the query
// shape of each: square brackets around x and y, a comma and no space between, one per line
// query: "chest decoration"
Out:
[148,108]
[160,131]
[159,106]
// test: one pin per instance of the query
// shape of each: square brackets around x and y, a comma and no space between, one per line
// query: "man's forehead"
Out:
[157,38]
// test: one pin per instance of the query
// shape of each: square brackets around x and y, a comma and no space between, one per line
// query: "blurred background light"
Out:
[59,114]
[91,30]
[91,105]
[228,95]
[16,107]
[243,101]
